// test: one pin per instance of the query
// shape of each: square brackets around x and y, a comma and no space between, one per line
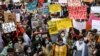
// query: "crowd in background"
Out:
[30,40]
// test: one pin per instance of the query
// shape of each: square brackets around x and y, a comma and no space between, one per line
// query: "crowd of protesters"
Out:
[36,41]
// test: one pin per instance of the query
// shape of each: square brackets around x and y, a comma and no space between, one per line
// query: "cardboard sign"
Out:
[74,2]
[63,1]
[52,27]
[54,8]
[77,12]
[79,25]
[32,5]
[34,24]
[96,24]
[8,27]
[9,17]
[95,9]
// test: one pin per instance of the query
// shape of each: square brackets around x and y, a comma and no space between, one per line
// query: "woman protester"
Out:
[59,48]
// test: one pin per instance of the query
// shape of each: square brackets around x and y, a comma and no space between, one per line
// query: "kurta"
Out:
[60,50]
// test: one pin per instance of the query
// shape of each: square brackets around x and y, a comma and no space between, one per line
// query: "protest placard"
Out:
[8,27]
[95,9]
[9,17]
[64,23]
[18,17]
[77,12]
[54,8]
[32,5]
[56,25]
[62,1]
[79,25]
[45,9]
[96,24]
[74,2]
[52,27]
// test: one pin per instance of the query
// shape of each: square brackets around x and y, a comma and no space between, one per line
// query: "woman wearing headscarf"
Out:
[59,48]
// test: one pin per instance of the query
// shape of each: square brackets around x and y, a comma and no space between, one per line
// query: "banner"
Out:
[9,17]
[52,27]
[77,12]
[32,5]
[54,8]
[74,2]
[8,27]
[96,24]
[79,25]
[95,9]
[63,1]
[64,23]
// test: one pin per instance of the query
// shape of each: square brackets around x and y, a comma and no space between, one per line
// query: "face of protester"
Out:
[62,34]
[91,37]
[80,41]
[19,41]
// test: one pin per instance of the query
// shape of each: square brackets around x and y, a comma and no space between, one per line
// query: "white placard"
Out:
[96,24]
[18,17]
[62,1]
[79,25]
[8,27]
[14,1]
[95,9]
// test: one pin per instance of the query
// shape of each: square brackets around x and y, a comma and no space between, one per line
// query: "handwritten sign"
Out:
[74,2]
[96,24]
[77,12]
[8,27]
[55,8]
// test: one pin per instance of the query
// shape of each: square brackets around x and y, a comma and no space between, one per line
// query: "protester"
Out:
[47,28]
[59,48]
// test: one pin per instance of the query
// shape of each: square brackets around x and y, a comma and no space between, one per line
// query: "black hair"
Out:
[10,50]
[25,49]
